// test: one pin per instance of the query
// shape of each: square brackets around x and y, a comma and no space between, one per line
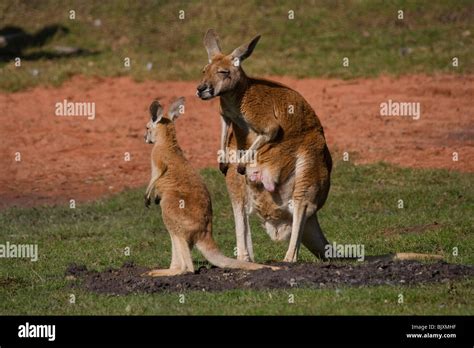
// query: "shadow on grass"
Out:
[14,41]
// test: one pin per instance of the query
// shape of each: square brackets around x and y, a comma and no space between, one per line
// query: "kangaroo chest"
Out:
[236,117]
[231,112]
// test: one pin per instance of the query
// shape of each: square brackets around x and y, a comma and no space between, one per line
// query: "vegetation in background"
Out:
[162,46]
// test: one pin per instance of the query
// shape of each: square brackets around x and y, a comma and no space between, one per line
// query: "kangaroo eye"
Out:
[224,72]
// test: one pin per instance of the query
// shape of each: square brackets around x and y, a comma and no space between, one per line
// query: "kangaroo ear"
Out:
[244,51]
[176,109]
[211,42]
[156,111]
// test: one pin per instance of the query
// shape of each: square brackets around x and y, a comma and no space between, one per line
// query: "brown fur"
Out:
[278,125]
[184,199]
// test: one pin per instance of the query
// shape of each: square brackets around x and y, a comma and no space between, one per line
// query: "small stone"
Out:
[404,51]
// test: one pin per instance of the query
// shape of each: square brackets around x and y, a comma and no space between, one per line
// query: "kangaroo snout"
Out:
[205,91]
[201,88]
[149,139]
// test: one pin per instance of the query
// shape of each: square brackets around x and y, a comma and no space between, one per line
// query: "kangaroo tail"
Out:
[211,252]
[404,257]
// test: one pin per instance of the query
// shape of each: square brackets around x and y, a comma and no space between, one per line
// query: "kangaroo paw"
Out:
[223,167]
[147,201]
[241,169]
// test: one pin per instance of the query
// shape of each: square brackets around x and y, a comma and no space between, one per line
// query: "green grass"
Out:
[362,206]
[314,43]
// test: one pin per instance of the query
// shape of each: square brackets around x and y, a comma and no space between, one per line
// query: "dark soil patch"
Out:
[9,282]
[128,279]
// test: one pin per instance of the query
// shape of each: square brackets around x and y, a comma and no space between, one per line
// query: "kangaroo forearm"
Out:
[152,184]
[257,144]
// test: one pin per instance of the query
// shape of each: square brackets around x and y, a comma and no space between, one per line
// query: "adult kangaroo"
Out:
[279,133]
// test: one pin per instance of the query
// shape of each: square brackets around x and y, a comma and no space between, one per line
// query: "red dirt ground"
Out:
[72,157]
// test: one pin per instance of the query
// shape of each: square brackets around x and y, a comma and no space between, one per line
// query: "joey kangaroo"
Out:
[286,160]
[183,197]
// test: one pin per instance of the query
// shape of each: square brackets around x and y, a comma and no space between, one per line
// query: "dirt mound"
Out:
[65,158]
[128,278]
